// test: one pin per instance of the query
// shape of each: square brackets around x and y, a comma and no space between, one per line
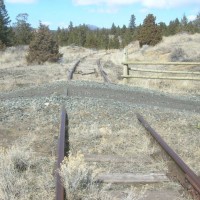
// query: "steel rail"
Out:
[190,176]
[60,193]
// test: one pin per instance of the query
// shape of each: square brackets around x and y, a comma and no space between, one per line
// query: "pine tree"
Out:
[43,47]
[123,30]
[70,27]
[4,25]
[163,28]
[184,20]
[91,40]
[126,37]
[197,22]
[113,29]
[184,23]
[174,27]
[104,41]
[62,37]
[132,24]
[82,29]
[149,33]
[23,30]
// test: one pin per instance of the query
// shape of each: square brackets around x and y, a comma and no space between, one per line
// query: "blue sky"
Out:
[101,13]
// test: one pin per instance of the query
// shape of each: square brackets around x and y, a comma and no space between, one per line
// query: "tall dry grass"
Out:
[79,181]
[181,47]
[24,174]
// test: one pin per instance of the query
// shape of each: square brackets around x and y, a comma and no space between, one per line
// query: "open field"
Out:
[30,120]
[14,73]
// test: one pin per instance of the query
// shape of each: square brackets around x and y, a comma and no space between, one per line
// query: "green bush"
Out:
[149,33]
[43,47]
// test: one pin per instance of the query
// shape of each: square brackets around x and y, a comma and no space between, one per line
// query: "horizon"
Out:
[100,13]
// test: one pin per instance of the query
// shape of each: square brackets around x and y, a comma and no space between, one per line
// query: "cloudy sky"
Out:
[101,13]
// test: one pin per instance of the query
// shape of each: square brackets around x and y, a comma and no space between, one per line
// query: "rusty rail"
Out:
[190,176]
[62,151]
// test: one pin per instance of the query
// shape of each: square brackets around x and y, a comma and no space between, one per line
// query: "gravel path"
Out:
[138,96]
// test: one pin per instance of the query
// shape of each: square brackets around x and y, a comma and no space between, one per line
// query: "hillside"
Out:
[16,74]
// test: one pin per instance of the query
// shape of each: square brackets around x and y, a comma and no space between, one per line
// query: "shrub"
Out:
[77,176]
[178,54]
[43,47]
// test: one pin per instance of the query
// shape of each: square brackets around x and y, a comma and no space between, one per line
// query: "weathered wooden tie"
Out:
[130,178]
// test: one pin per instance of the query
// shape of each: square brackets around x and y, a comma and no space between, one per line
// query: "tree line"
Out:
[115,37]
[150,32]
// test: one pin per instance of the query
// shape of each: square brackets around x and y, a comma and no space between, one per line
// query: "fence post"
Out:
[126,68]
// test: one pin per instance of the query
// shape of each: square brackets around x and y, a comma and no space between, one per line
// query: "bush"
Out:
[43,47]
[178,54]
[77,177]
[24,174]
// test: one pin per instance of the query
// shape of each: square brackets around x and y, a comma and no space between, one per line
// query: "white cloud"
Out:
[144,10]
[46,23]
[107,2]
[104,10]
[191,17]
[63,25]
[146,3]
[21,1]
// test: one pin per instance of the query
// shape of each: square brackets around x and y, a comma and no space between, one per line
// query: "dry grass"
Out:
[79,182]
[183,47]
[13,57]
[27,175]
[78,178]
[116,131]
[24,174]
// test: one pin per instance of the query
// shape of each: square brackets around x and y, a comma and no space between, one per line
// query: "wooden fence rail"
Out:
[126,71]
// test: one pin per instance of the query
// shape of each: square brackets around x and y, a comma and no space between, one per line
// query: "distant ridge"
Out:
[92,27]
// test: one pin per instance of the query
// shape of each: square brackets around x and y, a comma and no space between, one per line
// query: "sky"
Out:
[101,13]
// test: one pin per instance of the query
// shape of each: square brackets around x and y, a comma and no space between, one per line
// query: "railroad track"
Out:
[179,172]
[81,71]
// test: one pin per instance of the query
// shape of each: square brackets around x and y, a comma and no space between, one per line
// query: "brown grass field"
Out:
[29,127]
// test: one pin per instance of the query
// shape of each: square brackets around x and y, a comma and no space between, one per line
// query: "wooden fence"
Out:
[126,71]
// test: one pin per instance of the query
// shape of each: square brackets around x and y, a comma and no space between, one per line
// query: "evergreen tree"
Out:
[184,24]
[174,27]
[70,27]
[123,30]
[62,36]
[43,47]
[163,28]
[91,40]
[4,25]
[114,42]
[113,30]
[126,37]
[191,28]
[184,21]
[23,30]
[104,41]
[149,33]
[197,22]
[82,29]
[132,24]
